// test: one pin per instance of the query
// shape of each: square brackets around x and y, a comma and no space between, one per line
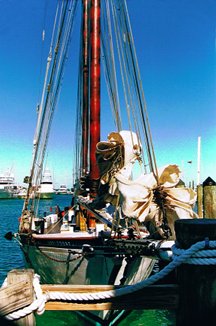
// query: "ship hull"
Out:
[5,194]
[66,262]
[45,195]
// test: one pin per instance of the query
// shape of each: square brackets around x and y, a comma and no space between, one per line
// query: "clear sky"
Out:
[176,49]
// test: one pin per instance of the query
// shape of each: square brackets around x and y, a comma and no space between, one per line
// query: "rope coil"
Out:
[197,250]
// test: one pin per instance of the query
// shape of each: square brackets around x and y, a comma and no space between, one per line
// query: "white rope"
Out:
[37,305]
[42,299]
[4,284]
[183,257]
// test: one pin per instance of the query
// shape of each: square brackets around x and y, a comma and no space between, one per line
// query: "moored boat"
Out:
[101,237]
[21,193]
[46,190]
[63,190]
[7,185]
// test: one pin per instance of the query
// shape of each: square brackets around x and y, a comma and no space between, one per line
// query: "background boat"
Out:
[46,190]
[7,185]
[20,192]
[62,190]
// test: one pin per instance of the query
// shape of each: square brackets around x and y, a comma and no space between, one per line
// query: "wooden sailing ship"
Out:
[103,236]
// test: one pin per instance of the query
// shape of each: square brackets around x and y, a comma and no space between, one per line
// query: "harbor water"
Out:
[11,258]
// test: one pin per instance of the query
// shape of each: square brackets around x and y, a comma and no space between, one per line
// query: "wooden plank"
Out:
[152,297]
[77,288]
[15,296]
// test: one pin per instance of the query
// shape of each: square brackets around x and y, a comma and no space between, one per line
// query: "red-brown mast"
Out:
[85,53]
[94,93]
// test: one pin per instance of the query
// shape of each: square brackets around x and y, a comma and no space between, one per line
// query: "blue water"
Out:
[11,258]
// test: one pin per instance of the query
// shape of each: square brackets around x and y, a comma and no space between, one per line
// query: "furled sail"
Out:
[144,198]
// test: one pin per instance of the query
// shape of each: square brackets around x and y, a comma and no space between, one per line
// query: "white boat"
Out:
[63,190]
[46,190]
[21,193]
[102,237]
[7,185]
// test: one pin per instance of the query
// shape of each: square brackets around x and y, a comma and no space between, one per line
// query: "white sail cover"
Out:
[138,194]
[144,198]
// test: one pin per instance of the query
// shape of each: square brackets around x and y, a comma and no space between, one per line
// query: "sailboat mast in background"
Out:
[198,160]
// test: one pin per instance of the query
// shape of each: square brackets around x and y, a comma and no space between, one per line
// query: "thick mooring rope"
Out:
[200,250]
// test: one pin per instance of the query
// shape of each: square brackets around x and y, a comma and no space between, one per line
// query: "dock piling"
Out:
[197,299]
[209,198]
[18,294]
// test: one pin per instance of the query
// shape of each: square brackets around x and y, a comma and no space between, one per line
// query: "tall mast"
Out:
[94,93]
[198,160]
[85,71]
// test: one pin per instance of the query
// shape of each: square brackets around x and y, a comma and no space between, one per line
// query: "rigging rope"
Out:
[143,107]
[131,80]
[133,90]
[52,83]
[79,106]
[42,45]
[109,63]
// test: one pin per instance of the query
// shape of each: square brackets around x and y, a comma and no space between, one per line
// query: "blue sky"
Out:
[176,49]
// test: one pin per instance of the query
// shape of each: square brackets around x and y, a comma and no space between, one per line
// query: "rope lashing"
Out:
[37,305]
[184,256]
[205,256]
